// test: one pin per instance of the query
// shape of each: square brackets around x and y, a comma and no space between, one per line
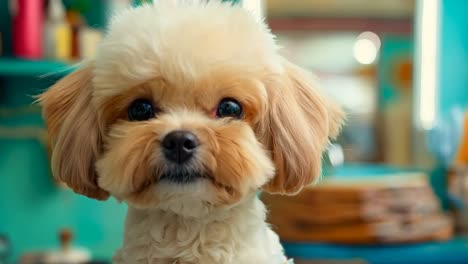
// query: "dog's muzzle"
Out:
[179,148]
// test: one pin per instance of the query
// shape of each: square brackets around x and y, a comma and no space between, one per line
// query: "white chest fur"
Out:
[237,235]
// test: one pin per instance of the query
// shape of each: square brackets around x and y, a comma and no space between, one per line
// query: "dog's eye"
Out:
[229,107]
[140,110]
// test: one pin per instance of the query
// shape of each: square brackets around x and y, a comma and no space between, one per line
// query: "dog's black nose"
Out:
[179,146]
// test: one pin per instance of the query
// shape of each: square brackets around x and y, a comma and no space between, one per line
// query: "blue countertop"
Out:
[453,251]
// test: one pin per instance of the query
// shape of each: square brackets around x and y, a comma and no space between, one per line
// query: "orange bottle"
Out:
[462,155]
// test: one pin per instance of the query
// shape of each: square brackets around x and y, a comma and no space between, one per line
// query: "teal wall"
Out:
[32,207]
[395,50]
[453,69]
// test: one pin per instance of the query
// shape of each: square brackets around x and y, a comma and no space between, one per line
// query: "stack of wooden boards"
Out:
[369,210]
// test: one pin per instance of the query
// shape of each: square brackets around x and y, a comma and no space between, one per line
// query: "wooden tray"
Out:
[384,210]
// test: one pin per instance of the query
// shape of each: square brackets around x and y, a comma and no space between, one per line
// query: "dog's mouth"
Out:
[182,180]
[183,176]
[187,177]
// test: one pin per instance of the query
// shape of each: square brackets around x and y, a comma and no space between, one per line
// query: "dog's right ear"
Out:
[73,129]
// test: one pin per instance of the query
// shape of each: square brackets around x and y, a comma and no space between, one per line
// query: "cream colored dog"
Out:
[186,112]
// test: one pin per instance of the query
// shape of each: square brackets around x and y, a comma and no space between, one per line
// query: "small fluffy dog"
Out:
[185,113]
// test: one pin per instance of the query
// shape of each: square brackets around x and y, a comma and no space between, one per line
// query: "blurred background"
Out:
[395,183]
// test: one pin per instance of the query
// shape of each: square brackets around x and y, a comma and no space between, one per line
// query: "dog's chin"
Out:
[189,194]
[183,191]
[183,184]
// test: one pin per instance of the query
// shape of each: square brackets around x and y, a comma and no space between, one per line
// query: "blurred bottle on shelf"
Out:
[67,253]
[462,152]
[27,18]
[76,22]
[84,38]
[88,41]
[457,181]
[444,138]
[448,142]
[57,33]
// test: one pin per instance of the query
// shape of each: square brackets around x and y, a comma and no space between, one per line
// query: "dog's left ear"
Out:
[297,129]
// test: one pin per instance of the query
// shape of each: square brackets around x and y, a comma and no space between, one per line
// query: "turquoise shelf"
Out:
[454,251]
[13,67]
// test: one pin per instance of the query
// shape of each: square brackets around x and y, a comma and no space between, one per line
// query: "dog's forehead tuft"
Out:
[179,39]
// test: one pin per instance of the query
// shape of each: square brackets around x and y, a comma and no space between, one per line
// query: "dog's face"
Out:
[187,103]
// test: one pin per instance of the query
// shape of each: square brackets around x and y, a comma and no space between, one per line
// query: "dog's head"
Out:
[187,102]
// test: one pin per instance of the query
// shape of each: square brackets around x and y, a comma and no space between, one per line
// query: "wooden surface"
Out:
[392,210]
